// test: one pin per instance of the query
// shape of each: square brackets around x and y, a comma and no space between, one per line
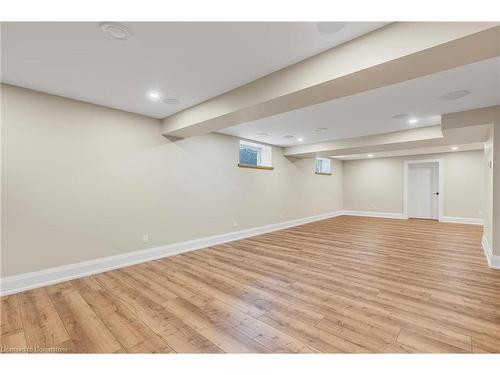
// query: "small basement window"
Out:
[323,166]
[255,155]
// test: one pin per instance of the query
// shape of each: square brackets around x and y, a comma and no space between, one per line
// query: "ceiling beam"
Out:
[479,116]
[464,127]
[393,142]
[392,54]
[414,151]
[368,143]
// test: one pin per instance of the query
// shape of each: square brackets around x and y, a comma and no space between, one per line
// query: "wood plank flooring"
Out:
[348,284]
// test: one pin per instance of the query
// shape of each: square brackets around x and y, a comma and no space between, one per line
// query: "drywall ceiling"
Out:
[371,112]
[188,61]
[414,151]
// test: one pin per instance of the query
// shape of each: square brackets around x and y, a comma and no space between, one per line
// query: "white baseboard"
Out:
[493,260]
[462,220]
[395,215]
[387,215]
[37,279]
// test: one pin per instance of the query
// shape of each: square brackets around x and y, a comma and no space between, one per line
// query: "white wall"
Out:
[377,184]
[80,182]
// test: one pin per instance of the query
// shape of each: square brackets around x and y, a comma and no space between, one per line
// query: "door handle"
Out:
[437,193]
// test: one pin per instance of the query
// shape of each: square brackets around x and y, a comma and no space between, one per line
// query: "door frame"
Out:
[441,184]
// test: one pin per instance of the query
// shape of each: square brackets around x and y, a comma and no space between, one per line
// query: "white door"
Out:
[423,190]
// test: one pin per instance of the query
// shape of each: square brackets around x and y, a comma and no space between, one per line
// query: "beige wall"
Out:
[495,244]
[373,185]
[377,184]
[488,196]
[81,182]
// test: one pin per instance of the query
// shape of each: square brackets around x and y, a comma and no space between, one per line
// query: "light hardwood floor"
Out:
[348,284]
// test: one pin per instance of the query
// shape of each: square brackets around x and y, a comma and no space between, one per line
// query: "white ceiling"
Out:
[191,62]
[371,112]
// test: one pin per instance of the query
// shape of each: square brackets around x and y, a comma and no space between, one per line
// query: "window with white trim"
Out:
[323,166]
[255,155]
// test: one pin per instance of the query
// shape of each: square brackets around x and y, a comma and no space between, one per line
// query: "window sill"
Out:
[255,166]
[323,174]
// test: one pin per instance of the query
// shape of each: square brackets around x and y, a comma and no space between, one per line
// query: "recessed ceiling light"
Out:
[300,139]
[171,101]
[115,30]
[261,134]
[154,95]
[454,148]
[330,27]
[400,116]
[320,129]
[370,155]
[412,121]
[453,95]
[288,136]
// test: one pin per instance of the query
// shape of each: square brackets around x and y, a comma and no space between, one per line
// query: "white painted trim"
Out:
[462,220]
[387,215]
[441,184]
[31,280]
[395,215]
[37,279]
[493,260]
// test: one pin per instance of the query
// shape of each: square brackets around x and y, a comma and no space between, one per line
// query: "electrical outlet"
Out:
[145,238]
[282,216]
[480,212]
[235,223]
[374,207]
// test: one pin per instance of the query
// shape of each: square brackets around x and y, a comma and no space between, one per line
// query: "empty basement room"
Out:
[323,187]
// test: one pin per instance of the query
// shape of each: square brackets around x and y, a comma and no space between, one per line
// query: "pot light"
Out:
[330,27]
[171,101]
[370,156]
[300,139]
[453,95]
[412,121]
[115,30]
[154,95]
[454,148]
